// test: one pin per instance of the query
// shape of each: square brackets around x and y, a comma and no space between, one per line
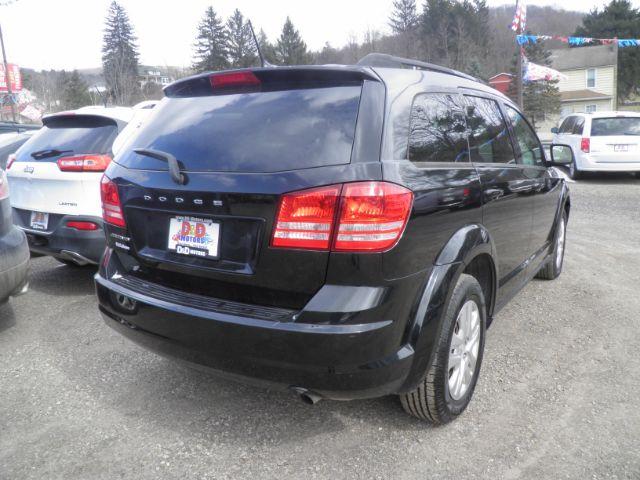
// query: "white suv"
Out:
[55,182]
[601,142]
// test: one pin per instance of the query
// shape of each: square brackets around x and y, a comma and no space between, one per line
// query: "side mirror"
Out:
[554,130]
[561,155]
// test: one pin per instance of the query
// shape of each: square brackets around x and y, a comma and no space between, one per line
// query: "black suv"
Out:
[347,232]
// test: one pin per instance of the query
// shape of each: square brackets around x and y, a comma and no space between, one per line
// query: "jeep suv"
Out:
[346,232]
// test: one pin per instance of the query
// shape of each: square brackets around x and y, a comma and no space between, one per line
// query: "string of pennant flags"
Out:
[578,41]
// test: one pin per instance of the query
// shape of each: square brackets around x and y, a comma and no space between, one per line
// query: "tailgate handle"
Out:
[174,167]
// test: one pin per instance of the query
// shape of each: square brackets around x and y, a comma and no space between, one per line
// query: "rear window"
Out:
[251,132]
[601,127]
[73,135]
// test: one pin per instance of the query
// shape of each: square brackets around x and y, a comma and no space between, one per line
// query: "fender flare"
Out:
[426,320]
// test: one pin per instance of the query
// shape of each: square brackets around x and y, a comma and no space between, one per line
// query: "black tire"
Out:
[432,400]
[574,173]
[553,268]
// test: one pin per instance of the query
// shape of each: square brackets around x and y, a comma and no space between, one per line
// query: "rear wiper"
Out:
[174,167]
[51,152]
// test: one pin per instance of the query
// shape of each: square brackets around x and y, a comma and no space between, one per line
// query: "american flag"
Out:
[520,17]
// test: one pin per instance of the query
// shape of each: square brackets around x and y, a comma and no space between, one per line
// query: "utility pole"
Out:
[6,76]
[519,78]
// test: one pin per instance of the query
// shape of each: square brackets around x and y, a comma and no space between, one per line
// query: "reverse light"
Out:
[111,206]
[10,159]
[242,78]
[354,217]
[84,226]
[84,163]
[585,145]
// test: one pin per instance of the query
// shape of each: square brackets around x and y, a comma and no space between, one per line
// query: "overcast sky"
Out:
[46,34]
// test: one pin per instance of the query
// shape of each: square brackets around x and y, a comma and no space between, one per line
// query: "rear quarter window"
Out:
[77,135]
[251,132]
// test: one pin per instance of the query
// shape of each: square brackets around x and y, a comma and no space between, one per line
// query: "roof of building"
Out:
[497,75]
[583,57]
[572,95]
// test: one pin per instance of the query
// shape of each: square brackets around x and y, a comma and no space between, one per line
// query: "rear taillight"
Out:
[10,159]
[585,145]
[111,206]
[372,216]
[4,186]
[305,219]
[232,80]
[84,163]
[354,217]
[84,226]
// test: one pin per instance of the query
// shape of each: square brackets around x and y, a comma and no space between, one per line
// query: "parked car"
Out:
[602,142]
[347,232]
[55,182]
[9,143]
[14,251]
[14,127]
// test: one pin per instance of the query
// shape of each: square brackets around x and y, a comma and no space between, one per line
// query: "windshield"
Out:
[69,135]
[601,127]
[254,132]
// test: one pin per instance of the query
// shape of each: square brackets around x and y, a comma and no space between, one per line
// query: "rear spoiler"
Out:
[268,79]
[48,119]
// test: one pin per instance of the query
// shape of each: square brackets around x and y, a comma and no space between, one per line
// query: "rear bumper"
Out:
[595,162]
[79,246]
[337,361]
[14,263]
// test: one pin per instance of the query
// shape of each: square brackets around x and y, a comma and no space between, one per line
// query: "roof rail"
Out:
[384,60]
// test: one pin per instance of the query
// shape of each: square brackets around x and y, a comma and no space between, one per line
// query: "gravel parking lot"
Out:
[558,395]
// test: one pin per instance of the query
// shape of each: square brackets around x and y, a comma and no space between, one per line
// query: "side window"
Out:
[567,125]
[578,127]
[530,148]
[437,129]
[488,136]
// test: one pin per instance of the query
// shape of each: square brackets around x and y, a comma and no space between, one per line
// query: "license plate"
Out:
[39,220]
[621,148]
[194,237]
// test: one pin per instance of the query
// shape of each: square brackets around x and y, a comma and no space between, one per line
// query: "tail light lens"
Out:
[372,216]
[85,226]
[4,186]
[232,80]
[354,217]
[305,219]
[111,206]
[84,163]
[585,145]
[10,159]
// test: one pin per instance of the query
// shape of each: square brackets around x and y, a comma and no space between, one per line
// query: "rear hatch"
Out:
[47,175]
[241,140]
[615,139]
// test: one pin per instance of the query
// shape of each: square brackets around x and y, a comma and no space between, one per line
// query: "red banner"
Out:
[15,78]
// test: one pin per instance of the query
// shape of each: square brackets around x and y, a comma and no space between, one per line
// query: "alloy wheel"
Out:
[463,349]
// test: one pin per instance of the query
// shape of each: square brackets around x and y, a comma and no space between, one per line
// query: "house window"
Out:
[590,108]
[591,78]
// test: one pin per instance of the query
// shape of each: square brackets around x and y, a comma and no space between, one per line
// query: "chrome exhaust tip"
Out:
[307,396]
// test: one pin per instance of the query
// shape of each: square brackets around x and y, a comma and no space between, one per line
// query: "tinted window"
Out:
[488,136]
[530,148]
[251,132]
[76,134]
[437,131]
[578,126]
[615,126]
[567,125]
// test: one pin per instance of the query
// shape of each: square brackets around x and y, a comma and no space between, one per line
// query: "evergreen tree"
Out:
[120,56]
[266,47]
[618,19]
[404,17]
[211,43]
[241,48]
[290,49]
[539,97]
[75,91]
